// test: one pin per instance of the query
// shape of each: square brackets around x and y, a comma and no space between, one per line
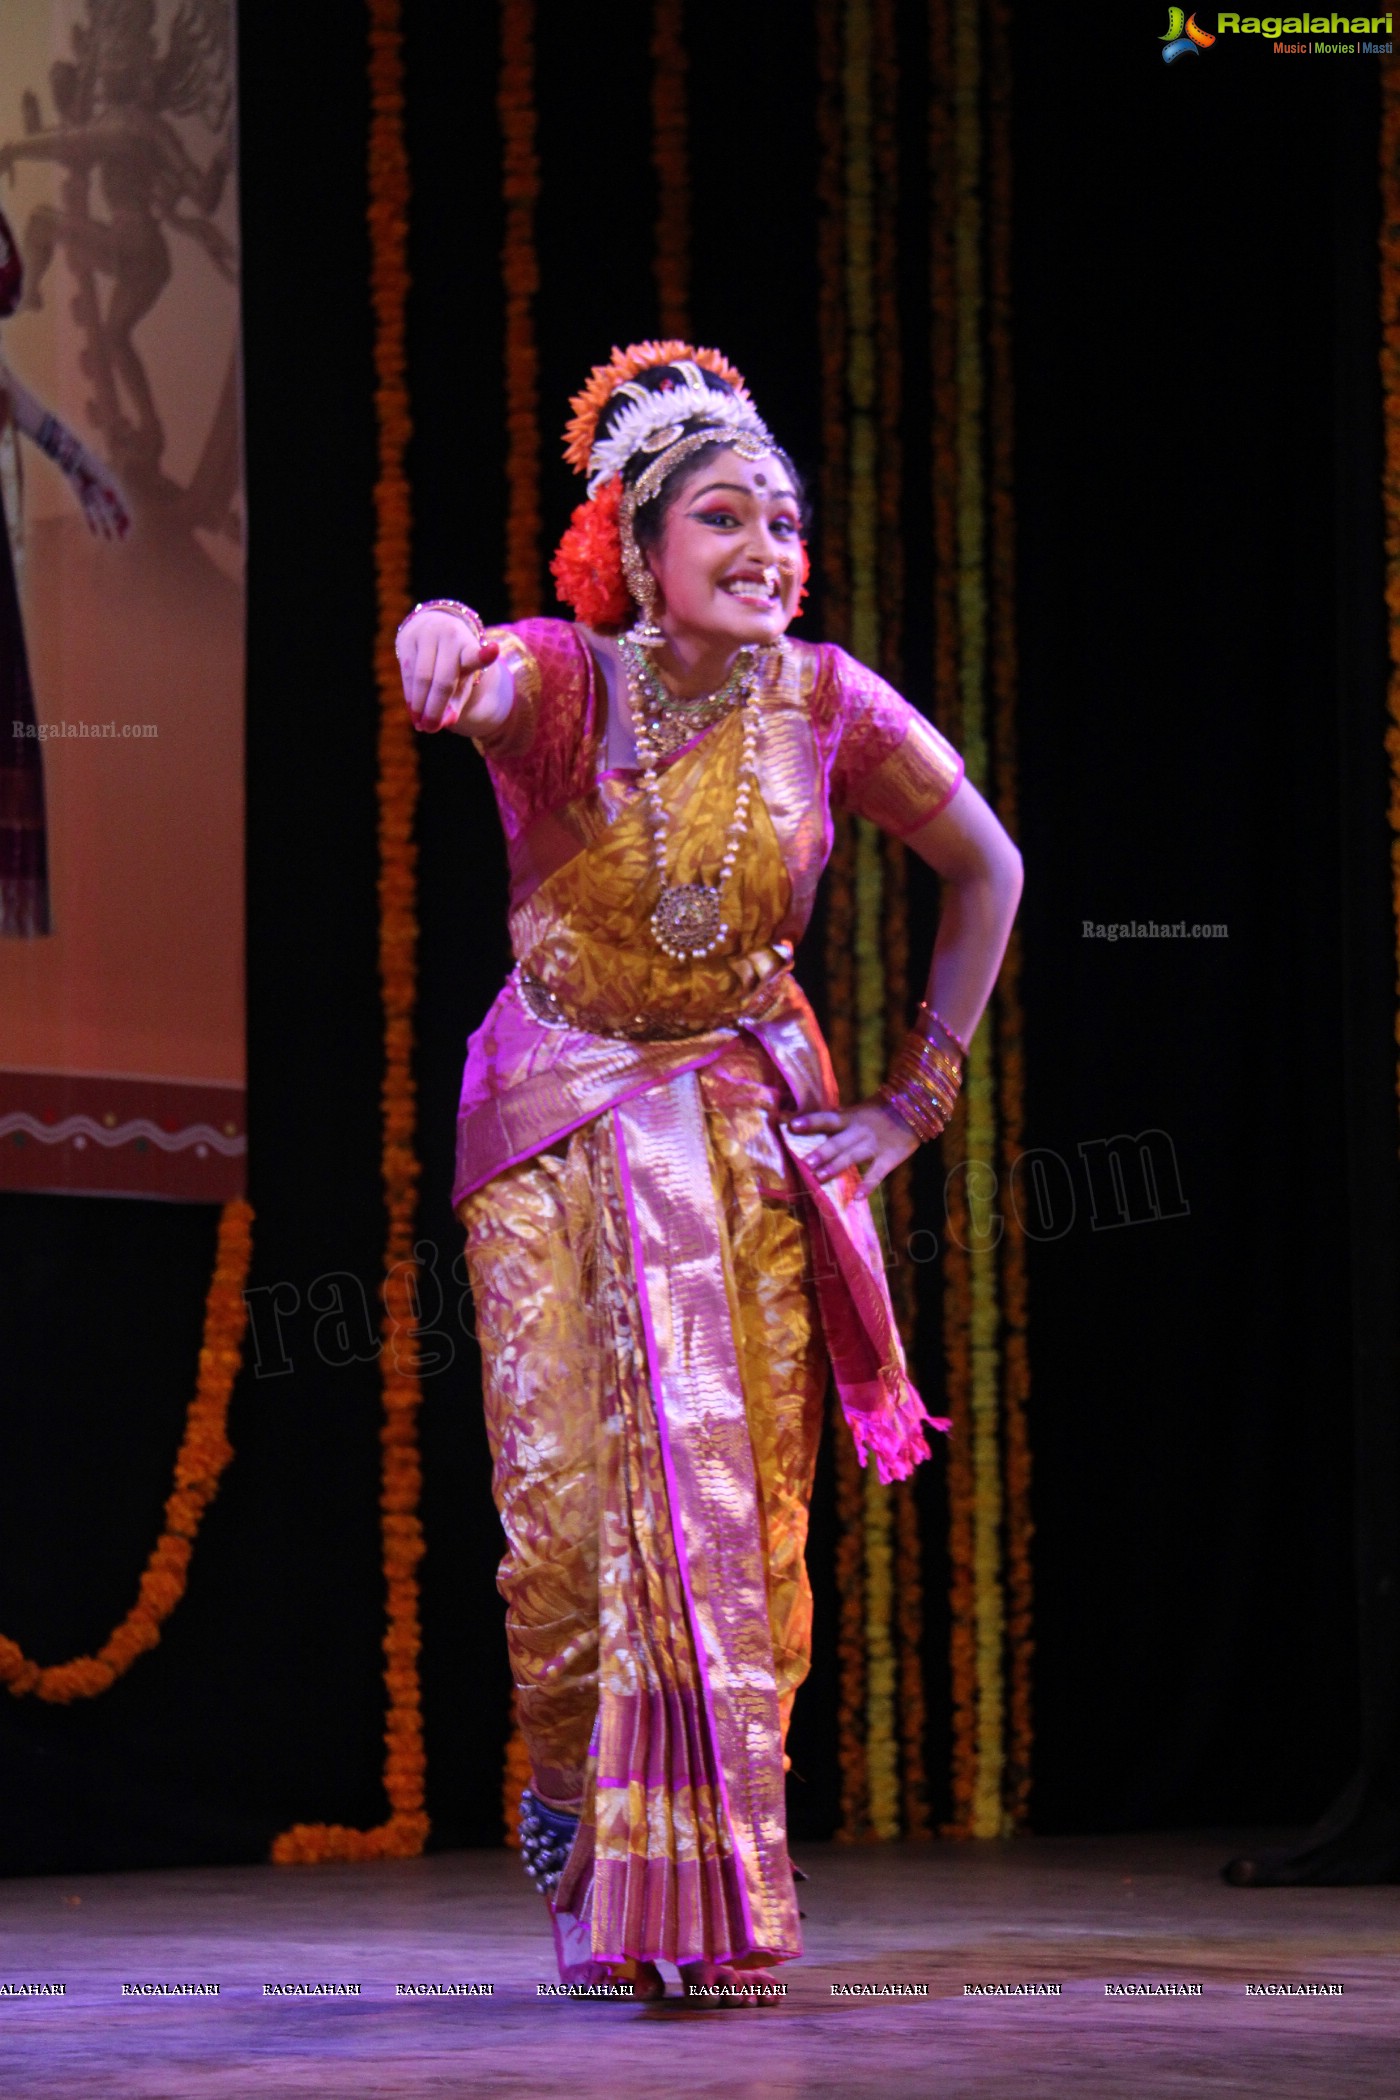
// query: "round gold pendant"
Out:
[687,922]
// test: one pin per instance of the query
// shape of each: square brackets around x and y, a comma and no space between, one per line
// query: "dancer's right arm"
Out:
[451,679]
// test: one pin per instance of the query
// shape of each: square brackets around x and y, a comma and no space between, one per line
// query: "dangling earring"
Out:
[644,631]
[642,585]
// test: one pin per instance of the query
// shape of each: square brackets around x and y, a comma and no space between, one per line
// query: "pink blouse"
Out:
[874,755]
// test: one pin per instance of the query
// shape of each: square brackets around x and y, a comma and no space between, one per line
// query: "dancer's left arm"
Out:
[980,866]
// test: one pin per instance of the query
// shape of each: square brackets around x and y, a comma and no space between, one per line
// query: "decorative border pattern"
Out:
[82,1130]
[80,1133]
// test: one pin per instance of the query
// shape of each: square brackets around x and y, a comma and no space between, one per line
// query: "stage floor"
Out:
[1081,1913]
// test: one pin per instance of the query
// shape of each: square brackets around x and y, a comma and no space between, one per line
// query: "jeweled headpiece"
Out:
[658,429]
[655,418]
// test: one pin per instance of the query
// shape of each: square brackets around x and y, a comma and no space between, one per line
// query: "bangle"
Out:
[926,1018]
[922,1089]
[447,605]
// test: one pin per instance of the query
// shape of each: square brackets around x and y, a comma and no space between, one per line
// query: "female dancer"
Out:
[667,1227]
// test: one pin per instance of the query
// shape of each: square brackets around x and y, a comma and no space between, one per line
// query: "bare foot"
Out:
[574,1951]
[714,1982]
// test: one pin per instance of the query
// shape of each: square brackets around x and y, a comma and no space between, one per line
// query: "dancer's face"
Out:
[730,559]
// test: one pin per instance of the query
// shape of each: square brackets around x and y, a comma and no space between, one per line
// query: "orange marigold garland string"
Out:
[1390,380]
[199,1467]
[1009,1020]
[520,272]
[403,1833]
[670,159]
[520,278]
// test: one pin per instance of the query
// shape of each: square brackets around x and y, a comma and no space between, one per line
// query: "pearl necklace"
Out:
[687,922]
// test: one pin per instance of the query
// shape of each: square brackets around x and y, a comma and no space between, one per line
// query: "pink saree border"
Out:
[643,1145]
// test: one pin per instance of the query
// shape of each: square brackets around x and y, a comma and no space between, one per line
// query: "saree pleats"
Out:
[655,1503]
[529,1254]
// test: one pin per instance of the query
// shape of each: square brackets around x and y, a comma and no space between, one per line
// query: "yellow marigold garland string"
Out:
[957,1347]
[403,1833]
[881,1748]
[520,279]
[980,1081]
[840,889]
[1010,1043]
[1390,380]
[199,1467]
[881,1716]
[670,159]
[948,712]
[984,1283]
[898,1190]
[520,272]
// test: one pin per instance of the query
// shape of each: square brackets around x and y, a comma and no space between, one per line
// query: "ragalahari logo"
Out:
[1183,35]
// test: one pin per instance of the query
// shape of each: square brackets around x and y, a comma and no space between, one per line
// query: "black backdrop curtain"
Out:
[1201,620]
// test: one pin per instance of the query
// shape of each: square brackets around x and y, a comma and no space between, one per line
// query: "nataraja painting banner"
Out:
[121,601]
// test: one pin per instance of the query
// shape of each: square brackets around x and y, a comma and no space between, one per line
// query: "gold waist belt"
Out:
[767,967]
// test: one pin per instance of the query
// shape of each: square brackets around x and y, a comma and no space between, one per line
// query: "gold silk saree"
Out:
[662,1288]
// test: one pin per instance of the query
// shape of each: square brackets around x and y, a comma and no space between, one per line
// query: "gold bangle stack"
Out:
[922,1089]
[454,606]
[926,1021]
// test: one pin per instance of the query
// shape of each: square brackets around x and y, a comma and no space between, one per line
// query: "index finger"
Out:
[445,680]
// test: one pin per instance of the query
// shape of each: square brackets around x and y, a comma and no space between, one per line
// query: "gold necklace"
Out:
[688,923]
[672,719]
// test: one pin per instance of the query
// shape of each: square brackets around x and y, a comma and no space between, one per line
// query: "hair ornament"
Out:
[587,566]
[652,422]
[622,368]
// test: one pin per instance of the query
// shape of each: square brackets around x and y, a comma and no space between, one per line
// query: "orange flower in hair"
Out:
[587,567]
